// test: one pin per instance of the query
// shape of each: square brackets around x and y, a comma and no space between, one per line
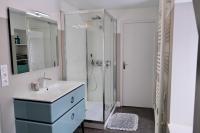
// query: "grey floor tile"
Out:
[146,121]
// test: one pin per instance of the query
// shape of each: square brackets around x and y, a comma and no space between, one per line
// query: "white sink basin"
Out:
[53,91]
[42,90]
[52,87]
[56,86]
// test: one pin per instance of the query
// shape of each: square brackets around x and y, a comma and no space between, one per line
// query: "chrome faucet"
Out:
[42,81]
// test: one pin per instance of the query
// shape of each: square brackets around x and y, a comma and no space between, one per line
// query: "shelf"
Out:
[21,44]
[22,59]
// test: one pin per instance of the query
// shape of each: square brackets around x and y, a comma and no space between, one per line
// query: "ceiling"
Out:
[112,4]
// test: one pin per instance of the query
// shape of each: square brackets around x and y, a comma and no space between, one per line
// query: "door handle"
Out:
[124,65]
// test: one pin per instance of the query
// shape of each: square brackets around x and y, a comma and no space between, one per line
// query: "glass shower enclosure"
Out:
[90,57]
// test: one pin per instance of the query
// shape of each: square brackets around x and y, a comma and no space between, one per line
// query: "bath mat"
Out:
[123,121]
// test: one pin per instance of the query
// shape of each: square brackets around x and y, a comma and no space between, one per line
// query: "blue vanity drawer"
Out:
[66,124]
[48,112]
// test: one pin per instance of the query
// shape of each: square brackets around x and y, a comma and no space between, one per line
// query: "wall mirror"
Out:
[33,41]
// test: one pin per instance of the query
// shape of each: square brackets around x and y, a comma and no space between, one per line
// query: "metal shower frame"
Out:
[103,11]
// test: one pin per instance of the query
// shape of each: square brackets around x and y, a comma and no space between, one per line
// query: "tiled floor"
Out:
[146,121]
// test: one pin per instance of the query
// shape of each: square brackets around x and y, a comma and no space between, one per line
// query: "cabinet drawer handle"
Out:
[72,99]
[72,116]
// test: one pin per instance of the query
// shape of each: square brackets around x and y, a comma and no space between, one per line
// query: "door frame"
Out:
[121,75]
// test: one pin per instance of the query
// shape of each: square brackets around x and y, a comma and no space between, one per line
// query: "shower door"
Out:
[108,64]
[94,50]
[84,57]
[90,56]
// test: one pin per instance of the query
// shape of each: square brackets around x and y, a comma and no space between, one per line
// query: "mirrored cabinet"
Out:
[34,41]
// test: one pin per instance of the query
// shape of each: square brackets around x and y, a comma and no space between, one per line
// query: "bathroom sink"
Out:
[52,87]
[56,86]
[51,92]
[42,90]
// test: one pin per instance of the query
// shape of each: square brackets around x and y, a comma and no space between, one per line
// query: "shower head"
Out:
[96,17]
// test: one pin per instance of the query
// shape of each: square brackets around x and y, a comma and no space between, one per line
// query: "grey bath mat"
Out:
[123,121]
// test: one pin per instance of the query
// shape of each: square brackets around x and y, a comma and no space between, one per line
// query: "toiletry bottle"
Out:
[17,40]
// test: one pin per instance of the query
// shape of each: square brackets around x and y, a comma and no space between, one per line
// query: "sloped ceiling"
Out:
[112,4]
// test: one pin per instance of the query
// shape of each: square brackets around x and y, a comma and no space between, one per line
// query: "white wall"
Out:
[133,14]
[65,7]
[122,16]
[182,1]
[184,60]
[20,83]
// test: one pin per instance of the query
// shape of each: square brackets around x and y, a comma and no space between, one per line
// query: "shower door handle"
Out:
[124,65]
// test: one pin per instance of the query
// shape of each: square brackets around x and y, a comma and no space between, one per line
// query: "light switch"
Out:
[4,75]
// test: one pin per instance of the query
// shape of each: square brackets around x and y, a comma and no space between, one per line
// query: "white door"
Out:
[138,74]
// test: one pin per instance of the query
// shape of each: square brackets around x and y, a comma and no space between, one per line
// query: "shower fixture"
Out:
[92,85]
[108,63]
[96,18]
[92,60]
[101,27]
[99,63]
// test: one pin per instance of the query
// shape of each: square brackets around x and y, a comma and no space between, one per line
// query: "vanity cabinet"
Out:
[63,115]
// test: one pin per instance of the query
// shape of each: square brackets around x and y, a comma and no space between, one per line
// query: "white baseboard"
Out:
[177,128]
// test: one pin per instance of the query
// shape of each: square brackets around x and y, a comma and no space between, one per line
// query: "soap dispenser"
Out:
[17,40]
